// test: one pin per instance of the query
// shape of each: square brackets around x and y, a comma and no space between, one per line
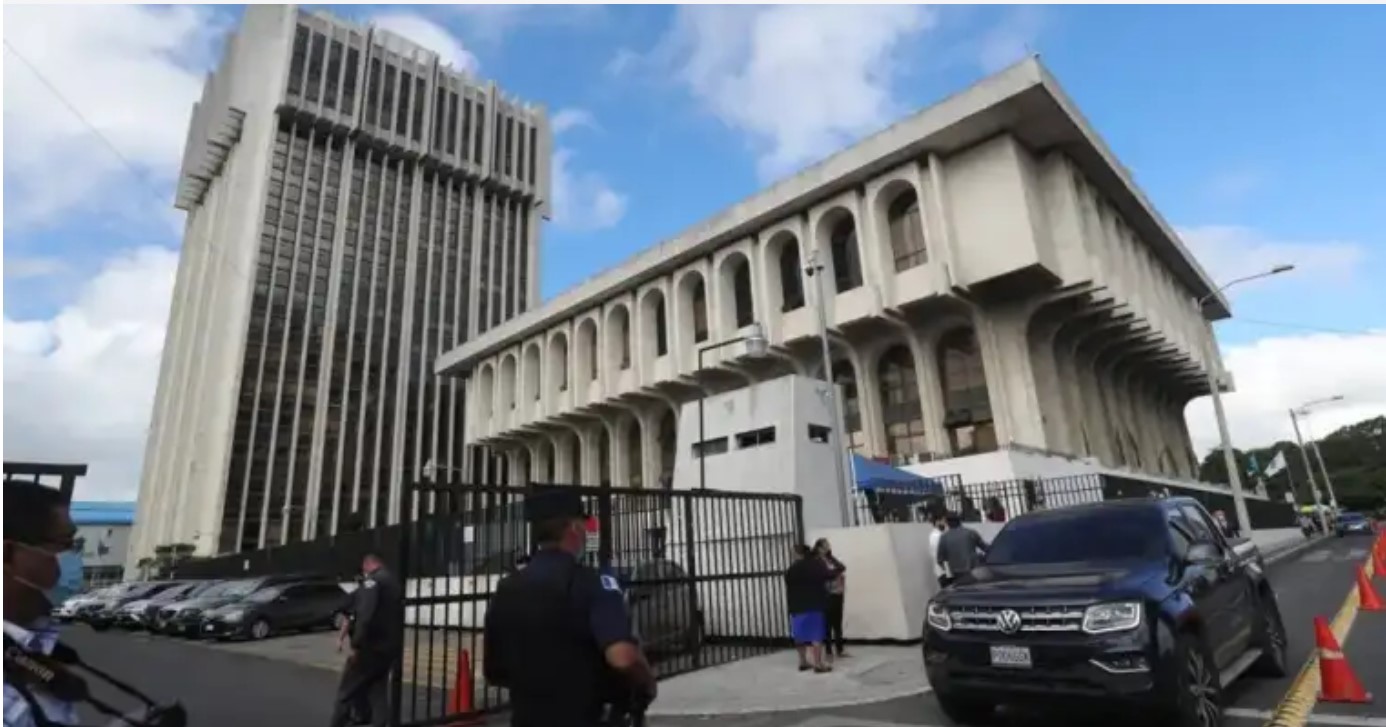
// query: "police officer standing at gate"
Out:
[377,634]
[557,633]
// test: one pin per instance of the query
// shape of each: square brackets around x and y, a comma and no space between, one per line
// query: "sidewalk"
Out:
[773,683]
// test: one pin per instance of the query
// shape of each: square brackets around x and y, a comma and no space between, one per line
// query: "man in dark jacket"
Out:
[377,633]
[806,589]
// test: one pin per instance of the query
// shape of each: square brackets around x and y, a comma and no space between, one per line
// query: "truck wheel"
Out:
[1271,640]
[965,712]
[1197,698]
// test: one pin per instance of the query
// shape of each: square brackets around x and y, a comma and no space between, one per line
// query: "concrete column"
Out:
[617,450]
[562,443]
[651,460]
[1001,334]
[869,398]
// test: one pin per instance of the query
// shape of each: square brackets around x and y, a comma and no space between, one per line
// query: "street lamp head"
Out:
[756,343]
[1281,269]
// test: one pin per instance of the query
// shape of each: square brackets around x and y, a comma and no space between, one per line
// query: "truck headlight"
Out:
[1105,618]
[938,617]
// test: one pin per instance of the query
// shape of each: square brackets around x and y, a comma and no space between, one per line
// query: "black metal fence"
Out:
[702,572]
[1001,500]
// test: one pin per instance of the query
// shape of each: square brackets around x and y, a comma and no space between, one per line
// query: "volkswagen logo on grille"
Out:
[1009,621]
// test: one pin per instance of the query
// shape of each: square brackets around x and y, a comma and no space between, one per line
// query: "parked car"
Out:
[184,618]
[1352,523]
[138,614]
[104,614]
[70,609]
[1139,604]
[275,609]
[663,607]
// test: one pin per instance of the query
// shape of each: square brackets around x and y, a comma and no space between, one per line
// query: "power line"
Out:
[1304,327]
[129,165]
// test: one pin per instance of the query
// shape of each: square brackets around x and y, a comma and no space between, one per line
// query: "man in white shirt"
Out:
[43,568]
[936,519]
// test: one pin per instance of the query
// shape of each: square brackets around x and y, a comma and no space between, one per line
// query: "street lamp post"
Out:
[756,345]
[836,442]
[1309,473]
[1303,411]
[1215,377]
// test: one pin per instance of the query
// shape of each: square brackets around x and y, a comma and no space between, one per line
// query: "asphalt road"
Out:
[231,689]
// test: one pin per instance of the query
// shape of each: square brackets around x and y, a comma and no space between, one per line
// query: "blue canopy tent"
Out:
[871,475]
[892,495]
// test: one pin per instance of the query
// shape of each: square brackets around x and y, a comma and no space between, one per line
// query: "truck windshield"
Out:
[1081,534]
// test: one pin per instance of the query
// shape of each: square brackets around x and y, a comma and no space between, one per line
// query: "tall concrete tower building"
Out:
[354,208]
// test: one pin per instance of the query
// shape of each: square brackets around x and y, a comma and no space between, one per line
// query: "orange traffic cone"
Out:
[1371,600]
[460,701]
[1379,563]
[1337,682]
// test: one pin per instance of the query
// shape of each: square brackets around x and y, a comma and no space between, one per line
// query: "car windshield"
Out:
[1352,517]
[1081,535]
[170,594]
[229,589]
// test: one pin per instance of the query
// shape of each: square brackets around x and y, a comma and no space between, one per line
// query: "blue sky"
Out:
[1254,130]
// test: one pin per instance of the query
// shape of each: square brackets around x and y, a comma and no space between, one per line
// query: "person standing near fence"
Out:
[806,591]
[557,633]
[377,634]
[837,598]
[958,551]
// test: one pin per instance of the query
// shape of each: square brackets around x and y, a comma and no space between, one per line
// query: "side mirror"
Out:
[1202,553]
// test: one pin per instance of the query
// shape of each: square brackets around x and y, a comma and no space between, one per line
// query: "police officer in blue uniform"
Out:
[557,633]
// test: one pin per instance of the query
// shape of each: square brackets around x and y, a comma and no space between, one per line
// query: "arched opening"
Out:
[618,337]
[966,401]
[668,448]
[603,457]
[846,253]
[791,274]
[545,456]
[906,225]
[508,377]
[558,363]
[532,371]
[654,322]
[901,411]
[692,300]
[845,376]
[575,453]
[588,367]
[485,391]
[737,299]
[524,472]
[634,456]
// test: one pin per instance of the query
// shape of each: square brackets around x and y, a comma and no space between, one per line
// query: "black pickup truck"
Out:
[1141,606]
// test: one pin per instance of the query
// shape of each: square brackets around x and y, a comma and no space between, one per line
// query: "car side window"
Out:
[1205,530]
[1181,533]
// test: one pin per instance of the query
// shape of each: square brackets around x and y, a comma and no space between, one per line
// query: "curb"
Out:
[1284,553]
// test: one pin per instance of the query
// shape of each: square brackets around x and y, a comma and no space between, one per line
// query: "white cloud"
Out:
[22,268]
[1230,251]
[1236,184]
[430,35]
[492,23]
[582,200]
[79,387]
[1274,374]
[799,81]
[133,72]
[572,118]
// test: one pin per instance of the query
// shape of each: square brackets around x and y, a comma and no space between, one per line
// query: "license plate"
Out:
[1014,657]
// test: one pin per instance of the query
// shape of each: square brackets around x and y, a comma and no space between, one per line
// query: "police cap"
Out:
[554,503]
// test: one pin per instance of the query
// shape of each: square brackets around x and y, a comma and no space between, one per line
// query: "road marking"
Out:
[1337,720]
[1297,706]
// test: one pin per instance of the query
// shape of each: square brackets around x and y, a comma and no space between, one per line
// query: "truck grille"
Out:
[1033,619]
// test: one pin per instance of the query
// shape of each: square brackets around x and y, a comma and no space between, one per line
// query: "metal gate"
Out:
[702,571]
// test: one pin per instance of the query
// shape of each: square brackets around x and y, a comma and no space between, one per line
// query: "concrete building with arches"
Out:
[993,280]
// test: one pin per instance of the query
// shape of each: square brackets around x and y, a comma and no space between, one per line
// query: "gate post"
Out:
[692,552]
[605,523]
[405,525]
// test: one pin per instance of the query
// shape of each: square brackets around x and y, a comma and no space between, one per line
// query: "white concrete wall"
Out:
[792,464]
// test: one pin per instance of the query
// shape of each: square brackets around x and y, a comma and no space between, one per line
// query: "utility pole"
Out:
[836,439]
[1309,473]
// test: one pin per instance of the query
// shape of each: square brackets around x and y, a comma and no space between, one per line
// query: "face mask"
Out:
[69,581]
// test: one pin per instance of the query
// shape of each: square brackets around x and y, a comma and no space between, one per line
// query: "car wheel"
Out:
[1197,701]
[260,629]
[965,711]
[1272,640]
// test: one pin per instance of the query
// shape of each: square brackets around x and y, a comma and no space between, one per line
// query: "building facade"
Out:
[354,208]
[103,534]
[991,278]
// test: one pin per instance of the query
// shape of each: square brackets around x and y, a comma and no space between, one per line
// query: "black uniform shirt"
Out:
[547,629]
[378,629]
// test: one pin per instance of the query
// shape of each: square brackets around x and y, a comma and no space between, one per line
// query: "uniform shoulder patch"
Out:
[609,583]
[368,583]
